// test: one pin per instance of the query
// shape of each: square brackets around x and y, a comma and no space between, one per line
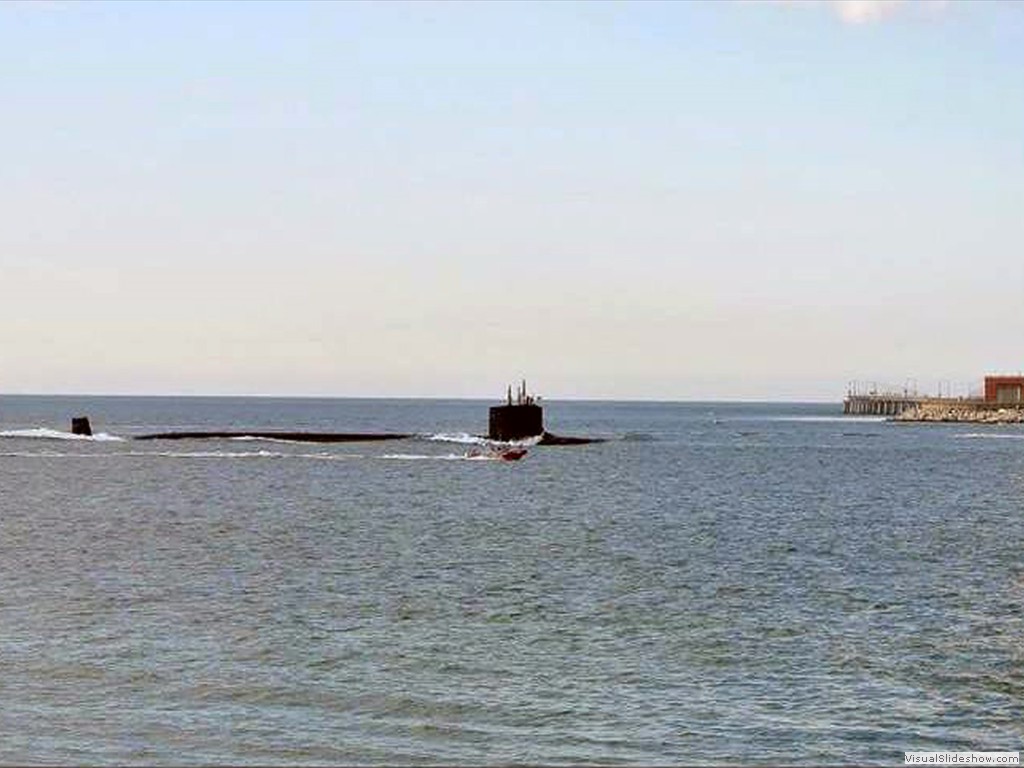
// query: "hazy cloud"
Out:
[868,11]
[862,11]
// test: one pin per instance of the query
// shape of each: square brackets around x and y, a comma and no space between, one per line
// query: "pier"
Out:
[893,404]
[881,404]
[873,399]
[1003,404]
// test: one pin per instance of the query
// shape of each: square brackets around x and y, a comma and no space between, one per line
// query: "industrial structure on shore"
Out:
[999,393]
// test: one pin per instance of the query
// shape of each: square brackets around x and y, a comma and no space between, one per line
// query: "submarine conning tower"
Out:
[80,426]
[516,419]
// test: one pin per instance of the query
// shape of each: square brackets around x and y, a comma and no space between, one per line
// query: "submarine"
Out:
[517,419]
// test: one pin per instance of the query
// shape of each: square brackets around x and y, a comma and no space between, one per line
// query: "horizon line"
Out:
[468,398]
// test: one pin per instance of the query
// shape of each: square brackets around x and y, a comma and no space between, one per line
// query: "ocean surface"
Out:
[716,583]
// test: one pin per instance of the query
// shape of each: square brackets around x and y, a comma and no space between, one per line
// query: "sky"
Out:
[642,200]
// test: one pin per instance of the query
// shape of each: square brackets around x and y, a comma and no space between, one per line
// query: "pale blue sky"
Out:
[684,200]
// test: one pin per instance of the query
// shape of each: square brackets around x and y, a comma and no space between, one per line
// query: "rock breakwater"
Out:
[965,412]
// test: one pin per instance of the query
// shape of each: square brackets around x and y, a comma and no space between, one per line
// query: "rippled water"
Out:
[717,583]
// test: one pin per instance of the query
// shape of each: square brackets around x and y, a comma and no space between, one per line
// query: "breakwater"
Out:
[901,407]
[963,411]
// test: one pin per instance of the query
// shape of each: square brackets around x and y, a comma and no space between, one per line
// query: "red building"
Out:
[1004,389]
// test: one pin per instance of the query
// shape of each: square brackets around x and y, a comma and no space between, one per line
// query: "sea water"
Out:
[716,583]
